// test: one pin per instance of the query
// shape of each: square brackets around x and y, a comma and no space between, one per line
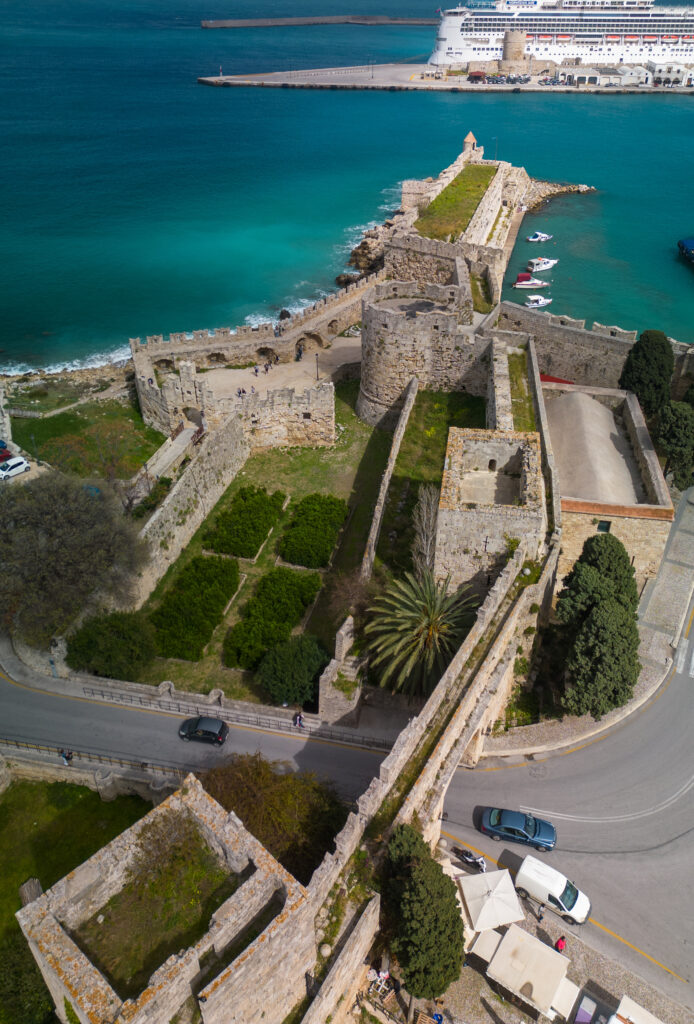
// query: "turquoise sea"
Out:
[138,202]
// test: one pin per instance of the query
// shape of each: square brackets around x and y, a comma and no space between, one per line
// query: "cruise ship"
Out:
[578,31]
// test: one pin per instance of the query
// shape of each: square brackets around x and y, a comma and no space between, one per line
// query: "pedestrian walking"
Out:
[560,944]
[64,755]
[295,718]
[540,913]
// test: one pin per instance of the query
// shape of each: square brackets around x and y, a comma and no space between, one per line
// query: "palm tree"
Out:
[415,629]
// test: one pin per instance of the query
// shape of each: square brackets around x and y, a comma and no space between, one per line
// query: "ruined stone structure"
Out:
[51,921]
[492,495]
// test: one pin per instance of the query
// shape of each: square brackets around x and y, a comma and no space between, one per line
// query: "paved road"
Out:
[623,805]
[86,725]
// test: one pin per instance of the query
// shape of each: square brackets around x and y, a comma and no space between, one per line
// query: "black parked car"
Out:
[206,730]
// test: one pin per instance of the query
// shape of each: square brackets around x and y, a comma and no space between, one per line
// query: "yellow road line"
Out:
[306,737]
[637,950]
[591,919]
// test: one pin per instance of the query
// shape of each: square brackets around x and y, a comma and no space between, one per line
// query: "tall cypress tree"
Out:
[648,370]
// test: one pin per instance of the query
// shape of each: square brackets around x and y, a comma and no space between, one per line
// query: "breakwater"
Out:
[336,19]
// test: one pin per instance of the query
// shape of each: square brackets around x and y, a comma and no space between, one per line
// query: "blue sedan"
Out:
[518,828]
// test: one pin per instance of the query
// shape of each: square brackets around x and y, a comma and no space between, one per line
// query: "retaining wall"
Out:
[499,404]
[191,499]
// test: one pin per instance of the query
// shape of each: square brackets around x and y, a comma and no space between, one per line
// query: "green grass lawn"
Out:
[420,461]
[46,830]
[481,301]
[451,212]
[47,395]
[104,439]
[352,470]
[521,399]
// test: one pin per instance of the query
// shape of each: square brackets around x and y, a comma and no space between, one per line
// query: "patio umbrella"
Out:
[490,899]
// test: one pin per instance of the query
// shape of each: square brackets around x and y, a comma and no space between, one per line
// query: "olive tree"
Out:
[66,543]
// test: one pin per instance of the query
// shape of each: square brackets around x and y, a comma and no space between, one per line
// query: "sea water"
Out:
[139,202]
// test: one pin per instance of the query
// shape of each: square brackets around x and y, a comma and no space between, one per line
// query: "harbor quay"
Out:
[330,19]
[428,78]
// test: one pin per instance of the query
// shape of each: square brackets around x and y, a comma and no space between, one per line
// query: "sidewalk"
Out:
[662,613]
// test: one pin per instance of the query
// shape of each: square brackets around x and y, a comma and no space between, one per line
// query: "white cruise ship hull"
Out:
[610,33]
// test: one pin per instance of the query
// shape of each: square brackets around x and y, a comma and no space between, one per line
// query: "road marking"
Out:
[691,664]
[592,920]
[681,654]
[634,816]
[637,950]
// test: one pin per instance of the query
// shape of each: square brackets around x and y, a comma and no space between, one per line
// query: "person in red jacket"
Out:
[560,944]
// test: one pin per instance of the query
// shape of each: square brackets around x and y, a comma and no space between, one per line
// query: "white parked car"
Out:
[13,467]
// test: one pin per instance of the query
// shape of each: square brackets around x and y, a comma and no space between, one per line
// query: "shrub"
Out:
[289,672]
[118,645]
[241,529]
[312,531]
[194,605]
[248,640]
[280,600]
[154,498]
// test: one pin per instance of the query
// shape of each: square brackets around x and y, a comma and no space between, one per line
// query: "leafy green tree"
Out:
[689,396]
[65,541]
[118,645]
[293,814]
[423,917]
[603,666]
[289,672]
[676,439]
[247,641]
[647,371]
[603,572]
[415,628]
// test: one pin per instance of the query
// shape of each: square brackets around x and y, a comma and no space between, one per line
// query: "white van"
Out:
[547,885]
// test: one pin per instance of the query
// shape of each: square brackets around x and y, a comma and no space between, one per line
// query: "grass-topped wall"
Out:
[451,212]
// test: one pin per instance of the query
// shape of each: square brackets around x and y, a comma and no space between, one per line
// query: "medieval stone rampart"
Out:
[375,531]
[328,316]
[417,194]
[549,466]
[499,405]
[193,496]
[568,351]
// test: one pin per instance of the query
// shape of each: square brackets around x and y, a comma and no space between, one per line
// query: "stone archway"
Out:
[216,359]
[165,363]
[266,354]
[194,415]
[310,341]
[333,326]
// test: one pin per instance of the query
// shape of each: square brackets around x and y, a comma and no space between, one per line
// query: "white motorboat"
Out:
[538,236]
[528,281]
[536,266]
[537,301]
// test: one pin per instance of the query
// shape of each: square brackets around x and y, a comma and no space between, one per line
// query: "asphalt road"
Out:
[623,806]
[91,726]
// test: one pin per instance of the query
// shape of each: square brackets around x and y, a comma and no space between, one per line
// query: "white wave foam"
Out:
[96,359]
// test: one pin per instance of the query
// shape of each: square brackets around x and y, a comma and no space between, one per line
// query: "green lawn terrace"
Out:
[350,469]
[449,214]
[420,461]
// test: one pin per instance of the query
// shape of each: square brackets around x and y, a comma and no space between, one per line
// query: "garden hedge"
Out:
[118,645]
[241,529]
[190,610]
[312,531]
[280,600]
[290,670]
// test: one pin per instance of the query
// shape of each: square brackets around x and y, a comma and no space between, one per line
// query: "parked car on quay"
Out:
[518,828]
[13,467]
[204,730]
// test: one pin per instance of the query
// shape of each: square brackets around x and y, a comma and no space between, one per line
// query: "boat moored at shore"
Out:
[537,301]
[528,281]
[541,263]
[538,236]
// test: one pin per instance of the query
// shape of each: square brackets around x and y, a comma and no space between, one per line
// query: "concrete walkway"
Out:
[662,613]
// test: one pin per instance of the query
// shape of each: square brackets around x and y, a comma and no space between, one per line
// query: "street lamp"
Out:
[317,377]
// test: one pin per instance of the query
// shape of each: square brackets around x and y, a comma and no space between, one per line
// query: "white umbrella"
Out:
[490,899]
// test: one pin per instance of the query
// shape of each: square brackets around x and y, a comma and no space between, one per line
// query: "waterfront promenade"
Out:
[411,77]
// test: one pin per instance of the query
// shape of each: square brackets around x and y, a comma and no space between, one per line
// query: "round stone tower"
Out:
[407,331]
[514,47]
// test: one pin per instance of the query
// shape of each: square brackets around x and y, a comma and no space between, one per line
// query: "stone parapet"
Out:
[499,405]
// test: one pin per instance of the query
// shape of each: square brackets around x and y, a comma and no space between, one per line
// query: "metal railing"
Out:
[121,760]
[234,717]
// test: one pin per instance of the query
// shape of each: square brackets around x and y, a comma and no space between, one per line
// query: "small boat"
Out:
[537,301]
[538,236]
[541,263]
[686,248]
[528,281]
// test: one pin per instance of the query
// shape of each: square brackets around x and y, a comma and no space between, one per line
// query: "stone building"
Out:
[225,985]
[492,495]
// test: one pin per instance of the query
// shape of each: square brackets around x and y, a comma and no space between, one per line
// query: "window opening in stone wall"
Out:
[604,526]
[307,415]
[492,464]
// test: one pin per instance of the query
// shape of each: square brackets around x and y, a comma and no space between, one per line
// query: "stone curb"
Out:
[587,733]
